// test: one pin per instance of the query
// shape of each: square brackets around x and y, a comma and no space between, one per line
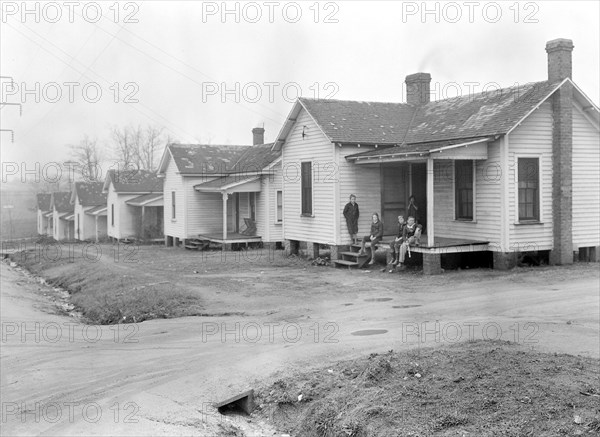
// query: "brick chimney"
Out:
[417,88]
[559,59]
[258,136]
[559,68]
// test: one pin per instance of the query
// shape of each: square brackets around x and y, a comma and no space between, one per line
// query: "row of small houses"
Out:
[509,171]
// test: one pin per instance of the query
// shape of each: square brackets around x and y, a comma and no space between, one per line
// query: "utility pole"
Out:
[2,104]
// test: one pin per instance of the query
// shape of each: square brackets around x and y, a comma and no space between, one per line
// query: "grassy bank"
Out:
[105,294]
[471,389]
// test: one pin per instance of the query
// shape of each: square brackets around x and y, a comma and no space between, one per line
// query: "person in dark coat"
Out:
[395,245]
[375,237]
[352,213]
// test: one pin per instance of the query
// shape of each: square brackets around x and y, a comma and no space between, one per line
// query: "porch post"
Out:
[224,215]
[430,224]
[142,223]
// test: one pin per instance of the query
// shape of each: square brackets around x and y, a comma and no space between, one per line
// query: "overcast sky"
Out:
[171,64]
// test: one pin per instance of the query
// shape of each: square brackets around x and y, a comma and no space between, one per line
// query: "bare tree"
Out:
[149,141]
[124,145]
[88,155]
[138,146]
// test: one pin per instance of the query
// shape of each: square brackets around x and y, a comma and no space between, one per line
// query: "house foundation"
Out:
[291,247]
[432,263]
[504,260]
[336,251]
[312,249]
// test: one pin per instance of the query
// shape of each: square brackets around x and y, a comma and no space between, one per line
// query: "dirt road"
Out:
[160,377]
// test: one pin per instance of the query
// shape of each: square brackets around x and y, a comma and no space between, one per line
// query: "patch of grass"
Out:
[103,295]
[479,388]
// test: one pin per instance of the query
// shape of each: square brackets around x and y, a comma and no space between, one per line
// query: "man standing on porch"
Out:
[351,213]
[374,238]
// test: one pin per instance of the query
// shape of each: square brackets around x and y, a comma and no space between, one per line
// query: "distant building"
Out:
[134,204]
[224,194]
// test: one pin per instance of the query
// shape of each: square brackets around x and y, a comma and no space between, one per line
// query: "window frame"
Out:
[278,207]
[173,205]
[455,189]
[537,196]
[306,193]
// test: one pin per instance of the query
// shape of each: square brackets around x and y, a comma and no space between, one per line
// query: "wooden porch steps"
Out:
[352,258]
[196,244]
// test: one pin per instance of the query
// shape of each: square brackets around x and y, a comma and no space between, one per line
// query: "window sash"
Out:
[306,188]
[528,189]
[463,180]
[173,204]
[279,211]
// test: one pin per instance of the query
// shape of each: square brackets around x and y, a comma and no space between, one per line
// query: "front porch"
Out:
[232,238]
[431,253]
[238,221]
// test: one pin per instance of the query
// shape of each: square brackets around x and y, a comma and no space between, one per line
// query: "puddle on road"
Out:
[406,306]
[378,299]
[348,304]
[369,332]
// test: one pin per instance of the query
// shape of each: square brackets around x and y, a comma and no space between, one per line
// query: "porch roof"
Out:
[48,214]
[152,199]
[231,183]
[97,210]
[69,216]
[472,148]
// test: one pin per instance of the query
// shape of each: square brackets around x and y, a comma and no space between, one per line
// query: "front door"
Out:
[393,196]
[419,190]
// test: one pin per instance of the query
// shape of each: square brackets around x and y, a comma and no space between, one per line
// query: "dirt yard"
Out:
[240,320]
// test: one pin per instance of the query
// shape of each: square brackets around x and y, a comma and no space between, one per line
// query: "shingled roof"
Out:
[201,159]
[485,114]
[61,200]
[89,193]
[133,181]
[43,201]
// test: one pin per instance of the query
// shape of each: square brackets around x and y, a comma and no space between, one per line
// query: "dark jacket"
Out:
[377,229]
[351,212]
[401,230]
[410,232]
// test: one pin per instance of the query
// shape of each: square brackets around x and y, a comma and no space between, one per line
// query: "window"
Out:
[173,215]
[279,206]
[306,188]
[112,214]
[463,181]
[529,189]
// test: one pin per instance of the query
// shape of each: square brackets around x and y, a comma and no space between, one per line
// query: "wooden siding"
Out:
[203,211]
[586,182]
[42,223]
[87,223]
[173,182]
[486,208]
[364,181]
[315,147]
[274,183]
[124,225]
[532,139]
[62,229]
[266,207]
